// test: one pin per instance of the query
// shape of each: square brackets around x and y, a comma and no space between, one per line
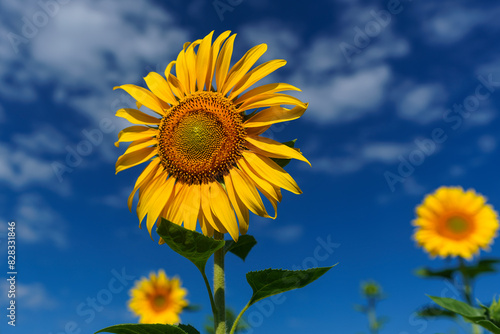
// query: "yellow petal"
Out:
[181,72]
[146,193]
[268,169]
[137,117]
[135,158]
[146,175]
[173,82]
[247,193]
[144,96]
[255,75]
[274,115]
[192,206]
[273,149]
[265,89]
[157,202]
[207,211]
[242,66]
[206,228]
[240,208]
[223,62]
[135,132]
[191,65]
[213,58]
[221,207]
[140,144]
[159,86]
[268,100]
[203,60]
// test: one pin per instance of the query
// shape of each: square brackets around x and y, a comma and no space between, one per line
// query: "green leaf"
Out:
[189,329]
[283,162]
[459,307]
[192,245]
[428,273]
[192,308]
[269,282]
[143,329]
[483,266]
[435,312]
[489,326]
[242,247]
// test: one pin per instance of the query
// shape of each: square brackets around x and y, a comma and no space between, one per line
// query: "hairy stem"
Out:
[219,286]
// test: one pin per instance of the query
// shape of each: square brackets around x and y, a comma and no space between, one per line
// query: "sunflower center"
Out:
[201,138]
[159,302]
[457,227]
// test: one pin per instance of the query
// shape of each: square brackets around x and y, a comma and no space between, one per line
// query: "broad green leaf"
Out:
[192,245]
[189,329]
[435,312]
[242,247]
[283,162]
[459,307]
[269,282]
[143,329]
[489,326]
[427,273]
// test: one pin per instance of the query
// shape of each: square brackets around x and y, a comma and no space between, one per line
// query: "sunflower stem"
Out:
[468,292]
[219,289]
[210,294]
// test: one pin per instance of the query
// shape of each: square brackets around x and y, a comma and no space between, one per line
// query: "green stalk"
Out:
[235,324]
[219,288]
[468,292]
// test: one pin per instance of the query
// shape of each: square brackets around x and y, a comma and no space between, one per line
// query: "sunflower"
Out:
[207,158]
[454,222]
[158,299]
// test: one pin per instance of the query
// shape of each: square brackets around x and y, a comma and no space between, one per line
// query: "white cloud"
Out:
[346,97]
[88,47]
[487,143]
[20,169]
[31,296]
[37,222]
[44,139]
[449,22]
[282,42]
[359,157]
[421,103]
[288,233]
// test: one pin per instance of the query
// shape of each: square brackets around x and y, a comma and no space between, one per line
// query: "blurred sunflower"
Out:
[454,222]
[207,160]
[158,299]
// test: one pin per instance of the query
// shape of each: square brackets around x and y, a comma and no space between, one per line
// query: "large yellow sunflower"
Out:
[454,222]
[207,160]
[158,299]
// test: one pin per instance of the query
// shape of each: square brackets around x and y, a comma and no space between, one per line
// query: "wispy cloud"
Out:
[37,222]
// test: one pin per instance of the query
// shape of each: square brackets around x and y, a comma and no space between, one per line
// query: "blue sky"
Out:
[401,102]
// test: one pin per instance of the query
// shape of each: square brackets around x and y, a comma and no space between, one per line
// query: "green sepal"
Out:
[269,282]
[283,162]
[194,246]
[242,247]
[143,329]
